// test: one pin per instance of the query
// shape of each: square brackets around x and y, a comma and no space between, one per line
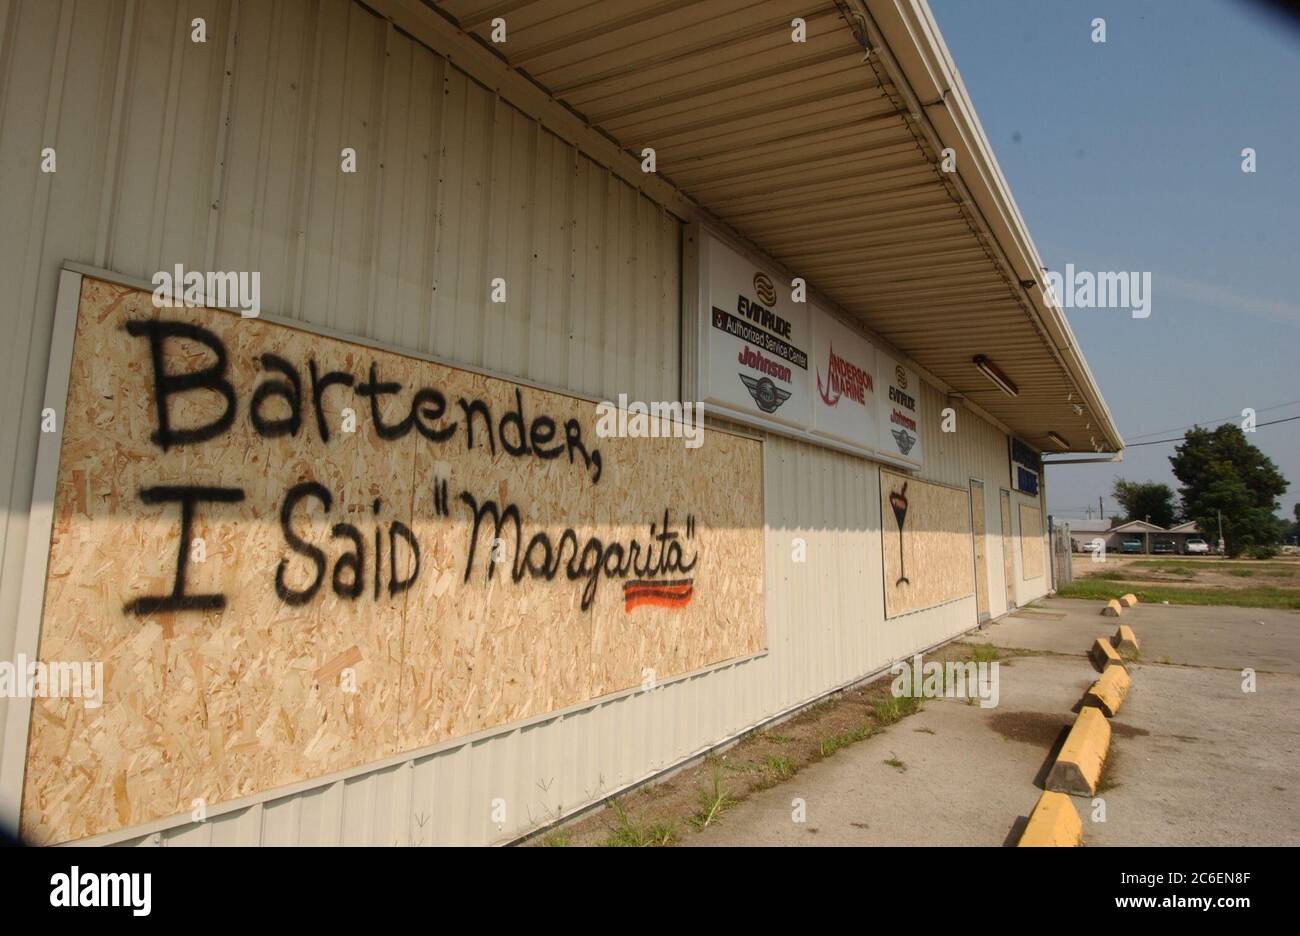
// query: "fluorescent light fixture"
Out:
[990,370]
[1058,441]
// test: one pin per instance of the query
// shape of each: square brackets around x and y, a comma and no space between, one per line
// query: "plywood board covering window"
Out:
[1031,541]
[926,543]
[312,637]
[1008,562]
[981,549]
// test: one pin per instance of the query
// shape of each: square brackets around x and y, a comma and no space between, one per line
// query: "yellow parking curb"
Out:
[1112,609]
[1053,822]
[1125,640]
[1128,600]
[1078,766]
[1103,655]
[1108,693]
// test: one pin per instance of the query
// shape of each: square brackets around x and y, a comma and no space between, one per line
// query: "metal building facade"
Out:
[225,155]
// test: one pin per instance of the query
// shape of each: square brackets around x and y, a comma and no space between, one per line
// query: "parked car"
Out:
[1091,546]
[1131,546]
[1164,547]
[1196,546]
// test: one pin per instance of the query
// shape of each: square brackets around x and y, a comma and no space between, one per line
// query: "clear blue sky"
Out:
[1127,156]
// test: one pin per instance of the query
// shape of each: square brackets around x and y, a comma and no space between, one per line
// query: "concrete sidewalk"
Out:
[1193,760]
[1265,639]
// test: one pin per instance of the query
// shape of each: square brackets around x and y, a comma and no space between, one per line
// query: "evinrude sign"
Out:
[794,368]
[900,410]
[755,342]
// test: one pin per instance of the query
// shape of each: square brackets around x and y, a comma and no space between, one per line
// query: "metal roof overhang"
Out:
[824,155]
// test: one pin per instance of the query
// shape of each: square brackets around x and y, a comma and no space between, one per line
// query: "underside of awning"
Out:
[826,155]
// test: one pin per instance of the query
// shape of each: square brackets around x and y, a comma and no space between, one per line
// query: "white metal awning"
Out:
[825,156]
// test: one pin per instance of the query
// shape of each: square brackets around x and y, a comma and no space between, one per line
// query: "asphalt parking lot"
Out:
[1194,759]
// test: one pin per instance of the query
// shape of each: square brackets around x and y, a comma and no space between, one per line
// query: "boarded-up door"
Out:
[981,558]
[1008,564]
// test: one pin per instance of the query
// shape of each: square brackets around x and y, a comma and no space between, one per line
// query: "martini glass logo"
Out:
[898,501]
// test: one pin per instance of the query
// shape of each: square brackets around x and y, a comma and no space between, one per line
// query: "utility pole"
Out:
[1221,543]
[1101,507]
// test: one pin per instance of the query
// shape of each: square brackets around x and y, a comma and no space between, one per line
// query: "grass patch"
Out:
[1190,567]
[897,764]
[890,709]
[780,767]
[1166,566]
[556,840]
[1110,575]
[1257,597]
[713,799]
[629,832]
[887,710]
[829,744]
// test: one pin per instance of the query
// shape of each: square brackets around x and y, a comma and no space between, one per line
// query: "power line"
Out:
[1272,422]
[1226,419]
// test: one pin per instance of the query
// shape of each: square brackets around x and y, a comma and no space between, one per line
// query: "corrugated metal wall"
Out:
[226,156]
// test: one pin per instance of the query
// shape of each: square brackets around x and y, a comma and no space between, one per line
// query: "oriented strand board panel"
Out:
[1008,563]
[1031,541]
[926,542]
[981,550]
[371,553]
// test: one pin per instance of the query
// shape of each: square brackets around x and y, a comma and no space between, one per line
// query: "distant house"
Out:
[1113,533]
[1181,533]
[1148,534]
[1085,531]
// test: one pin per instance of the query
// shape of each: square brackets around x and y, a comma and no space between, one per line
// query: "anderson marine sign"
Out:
[796,369]
[844,364]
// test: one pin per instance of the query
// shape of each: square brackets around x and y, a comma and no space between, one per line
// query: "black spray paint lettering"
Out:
[291,393]
[541,559]
[179,599]
[275,411]
[428,409]
[167,384]
[348,577]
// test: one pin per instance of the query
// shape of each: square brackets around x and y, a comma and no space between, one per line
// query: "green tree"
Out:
[1145,500]
[1221,474]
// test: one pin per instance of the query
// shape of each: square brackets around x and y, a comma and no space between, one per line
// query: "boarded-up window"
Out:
[926,543]
[1031,542]
[981,557]
[295,555]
